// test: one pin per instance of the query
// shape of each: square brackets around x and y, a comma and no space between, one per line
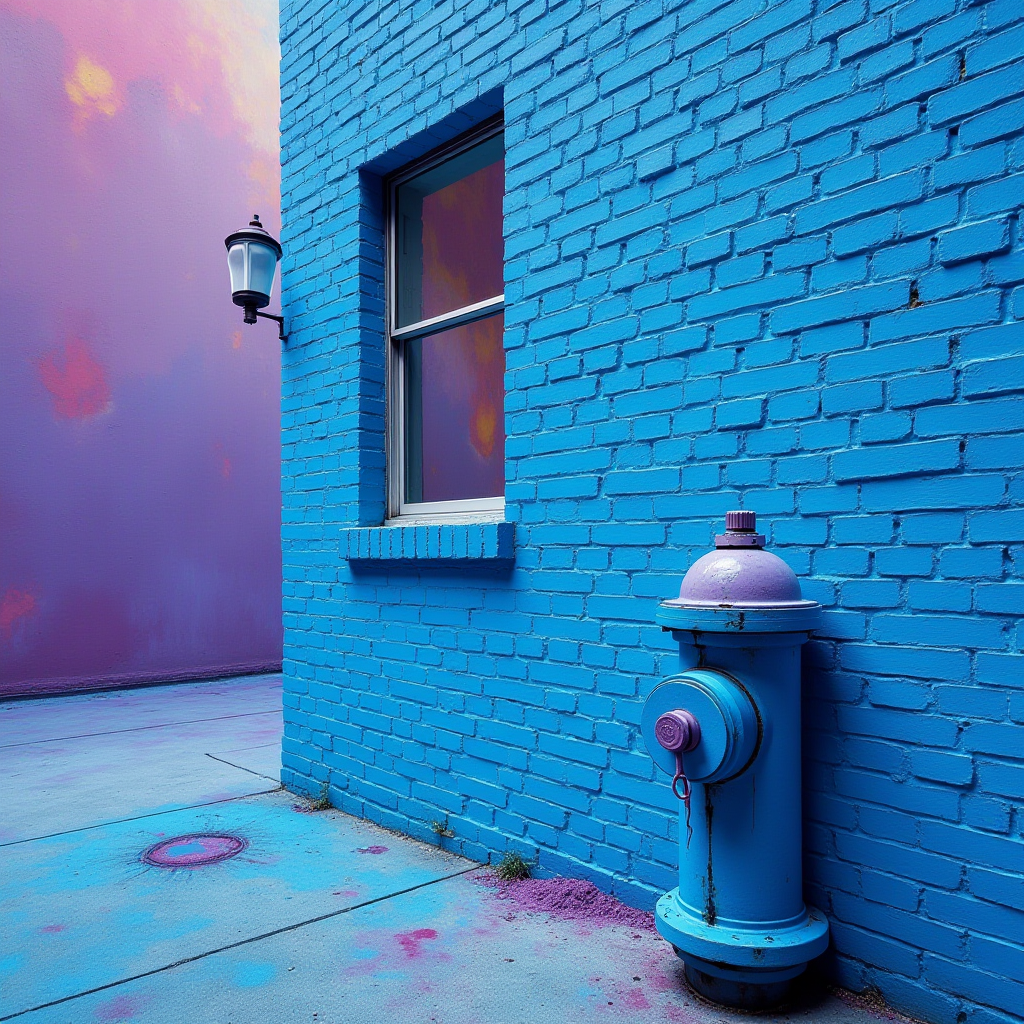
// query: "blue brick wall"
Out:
[758,254]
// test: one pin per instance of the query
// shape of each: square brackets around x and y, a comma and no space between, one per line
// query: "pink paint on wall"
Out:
[76,380]
[14,606]
[139,473]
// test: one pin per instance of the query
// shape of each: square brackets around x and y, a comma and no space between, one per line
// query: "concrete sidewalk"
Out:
[315,917]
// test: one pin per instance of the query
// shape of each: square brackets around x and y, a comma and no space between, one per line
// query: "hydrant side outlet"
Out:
[737,918]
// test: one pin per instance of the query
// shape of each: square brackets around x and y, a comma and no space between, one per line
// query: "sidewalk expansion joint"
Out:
[137,728]
[150,814]
[231,764]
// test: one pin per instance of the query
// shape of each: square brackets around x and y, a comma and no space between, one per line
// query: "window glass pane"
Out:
[449,235]
[455,413]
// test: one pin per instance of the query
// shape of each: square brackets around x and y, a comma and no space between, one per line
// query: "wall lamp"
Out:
[252,261]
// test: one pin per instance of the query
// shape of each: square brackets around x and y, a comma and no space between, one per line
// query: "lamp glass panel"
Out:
[455,413]
[450,249]
[236,266]
[262,264]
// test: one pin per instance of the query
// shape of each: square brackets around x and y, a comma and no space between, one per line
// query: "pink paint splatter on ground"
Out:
[410,941]
[346,892]
[662,970]
[677,1015]
[120,1009]
[14,606]
[377,850]
[572,899]
[76,380]
[634,999]
[52,929]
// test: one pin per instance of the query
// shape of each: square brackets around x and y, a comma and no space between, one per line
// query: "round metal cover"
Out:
[194,851]
[729,732]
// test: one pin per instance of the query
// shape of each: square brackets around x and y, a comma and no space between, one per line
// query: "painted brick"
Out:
[851,304]
[994,376]
[1001,527]
[939,596]
[880,195]
[895,460]
[976,94]
[994,416]
[1001,122]
[717,217]
[920,389]
[866,233]
[974,242]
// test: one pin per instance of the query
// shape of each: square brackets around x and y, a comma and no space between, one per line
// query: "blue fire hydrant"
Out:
[726,727]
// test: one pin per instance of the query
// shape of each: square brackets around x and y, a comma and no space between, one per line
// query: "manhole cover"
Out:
[193,851]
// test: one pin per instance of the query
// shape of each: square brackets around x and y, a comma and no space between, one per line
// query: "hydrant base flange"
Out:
[738,966]
[742,949]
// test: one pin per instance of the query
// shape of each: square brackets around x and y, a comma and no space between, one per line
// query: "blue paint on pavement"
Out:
[83,913]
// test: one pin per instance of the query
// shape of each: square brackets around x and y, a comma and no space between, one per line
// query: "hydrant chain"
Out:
[679,731]
[681,774]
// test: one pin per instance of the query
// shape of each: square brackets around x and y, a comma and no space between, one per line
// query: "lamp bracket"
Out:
[280,323]
[251,312]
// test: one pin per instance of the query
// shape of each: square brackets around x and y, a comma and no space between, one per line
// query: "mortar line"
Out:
[137,728]
[258,775]
[149,814]
[241,942]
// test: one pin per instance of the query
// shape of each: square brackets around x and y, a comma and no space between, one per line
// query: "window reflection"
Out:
[454,413]
[449,227]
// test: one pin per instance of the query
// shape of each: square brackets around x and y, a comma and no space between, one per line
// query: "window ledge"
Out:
[446,542]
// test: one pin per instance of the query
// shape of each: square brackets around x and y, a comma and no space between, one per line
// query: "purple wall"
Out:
[139,472]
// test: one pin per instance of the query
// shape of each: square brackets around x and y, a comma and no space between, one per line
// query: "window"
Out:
[445,318]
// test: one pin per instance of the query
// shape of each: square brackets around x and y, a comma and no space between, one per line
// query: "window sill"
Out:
[444,542]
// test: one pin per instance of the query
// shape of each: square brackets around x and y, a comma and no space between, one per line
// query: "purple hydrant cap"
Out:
[677,731]
[741,520]
[739,573]
[740,531]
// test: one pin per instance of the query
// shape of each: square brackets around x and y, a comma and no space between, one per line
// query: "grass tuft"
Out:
[441,829]
[323,801]
[512,868]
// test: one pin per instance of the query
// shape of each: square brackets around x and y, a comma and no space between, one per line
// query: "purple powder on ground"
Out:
[572,899]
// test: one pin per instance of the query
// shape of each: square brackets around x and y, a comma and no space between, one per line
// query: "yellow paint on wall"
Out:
[91,87]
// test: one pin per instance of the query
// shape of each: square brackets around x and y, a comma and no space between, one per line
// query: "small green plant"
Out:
[512,868]
[441,829]
[323,801]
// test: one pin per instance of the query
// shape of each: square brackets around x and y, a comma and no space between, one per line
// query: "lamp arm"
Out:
[280,323]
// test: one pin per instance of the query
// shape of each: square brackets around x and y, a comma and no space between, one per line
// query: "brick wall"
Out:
[757,254]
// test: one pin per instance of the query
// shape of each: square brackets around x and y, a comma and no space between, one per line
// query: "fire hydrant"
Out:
[726,727]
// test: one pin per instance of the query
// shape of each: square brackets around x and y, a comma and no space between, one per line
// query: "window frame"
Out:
[398,510]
